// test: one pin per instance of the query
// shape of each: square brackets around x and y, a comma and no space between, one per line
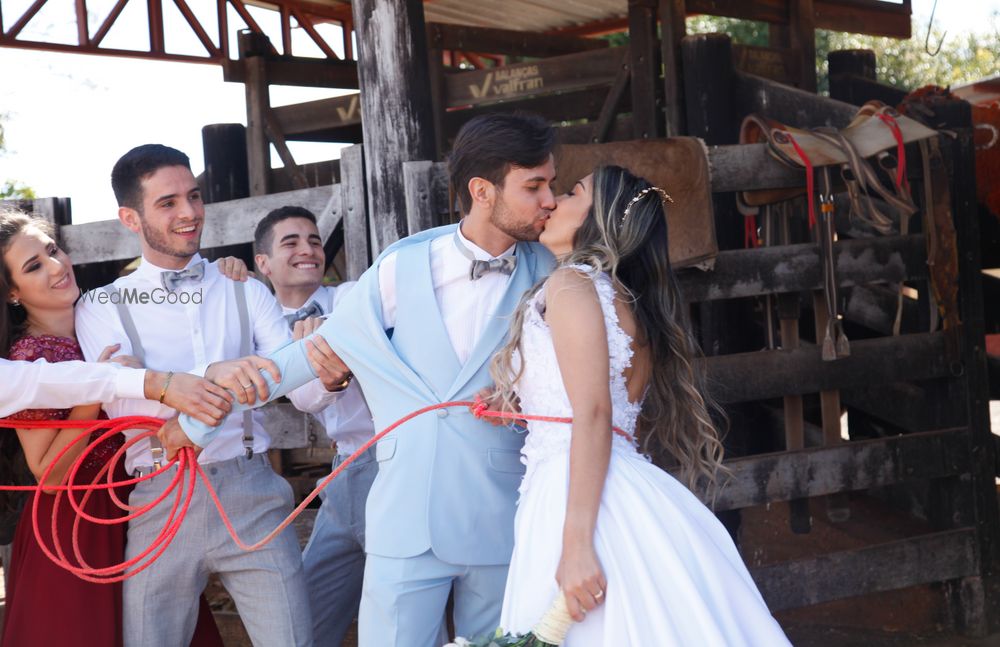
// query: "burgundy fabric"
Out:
[45,604]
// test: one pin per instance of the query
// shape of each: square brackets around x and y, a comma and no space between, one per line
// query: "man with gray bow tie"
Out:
[177,313]
[289,252]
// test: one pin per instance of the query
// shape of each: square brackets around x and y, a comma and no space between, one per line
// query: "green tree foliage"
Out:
[906,64]
[12,189]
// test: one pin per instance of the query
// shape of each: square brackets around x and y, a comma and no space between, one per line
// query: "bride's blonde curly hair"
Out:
[627,238]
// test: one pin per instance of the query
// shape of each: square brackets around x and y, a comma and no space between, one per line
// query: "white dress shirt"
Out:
[466,306]
[344,414]
[40,385]
[183,337]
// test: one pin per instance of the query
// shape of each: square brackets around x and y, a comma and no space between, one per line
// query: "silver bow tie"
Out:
[504,265]
[171,280]
[311,309]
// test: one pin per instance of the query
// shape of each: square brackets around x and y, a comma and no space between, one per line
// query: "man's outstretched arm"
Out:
[293,365]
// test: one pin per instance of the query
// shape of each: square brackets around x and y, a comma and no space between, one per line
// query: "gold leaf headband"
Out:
[664,197]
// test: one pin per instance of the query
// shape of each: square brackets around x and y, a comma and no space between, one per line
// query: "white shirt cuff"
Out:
[312,397]
[130,383]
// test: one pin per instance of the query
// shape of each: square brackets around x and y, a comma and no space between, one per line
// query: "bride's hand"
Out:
[581,579]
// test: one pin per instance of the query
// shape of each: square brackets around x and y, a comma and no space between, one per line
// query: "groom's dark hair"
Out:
[489,146]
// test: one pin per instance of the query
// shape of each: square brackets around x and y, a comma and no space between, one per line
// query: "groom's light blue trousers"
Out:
[403,600]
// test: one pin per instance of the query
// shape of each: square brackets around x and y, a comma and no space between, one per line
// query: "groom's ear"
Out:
[483,191]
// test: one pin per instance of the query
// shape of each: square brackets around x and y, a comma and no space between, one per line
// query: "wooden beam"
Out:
[871,18]
[321,114]
[258,102]
[848,467]
[802,30]
[673,28]
[297,71]
[778,64]
[612,103]
[745,377]
[357,241]
[796,268]
[645,66]
[399,120]
[789,105]
[421,213]
[511,42]
[924,559]
[226,223]
[556,74]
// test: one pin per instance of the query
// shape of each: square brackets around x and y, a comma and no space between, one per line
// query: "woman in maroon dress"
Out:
[39,289]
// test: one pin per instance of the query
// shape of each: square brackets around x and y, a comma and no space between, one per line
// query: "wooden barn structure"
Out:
[914,385]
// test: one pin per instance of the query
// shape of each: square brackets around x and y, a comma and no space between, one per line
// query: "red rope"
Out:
[182,484]
[810,179]
[897,134]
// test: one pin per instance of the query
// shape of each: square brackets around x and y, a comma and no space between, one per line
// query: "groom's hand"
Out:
[173,438]
[330,369]
[242,376]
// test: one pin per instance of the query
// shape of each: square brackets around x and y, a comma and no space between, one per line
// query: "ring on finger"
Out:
[599,595]
[246,386]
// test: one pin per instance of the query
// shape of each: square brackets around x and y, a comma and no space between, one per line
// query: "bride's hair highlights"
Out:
[675,422]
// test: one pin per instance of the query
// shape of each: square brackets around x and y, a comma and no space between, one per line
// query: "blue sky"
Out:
[69,117]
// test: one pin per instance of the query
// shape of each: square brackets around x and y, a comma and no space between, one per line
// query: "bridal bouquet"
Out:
[550,631]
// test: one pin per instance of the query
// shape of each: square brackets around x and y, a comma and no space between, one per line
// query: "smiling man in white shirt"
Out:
[178,313]
[289,252]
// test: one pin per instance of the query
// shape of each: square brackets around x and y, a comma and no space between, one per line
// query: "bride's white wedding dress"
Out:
[674,576]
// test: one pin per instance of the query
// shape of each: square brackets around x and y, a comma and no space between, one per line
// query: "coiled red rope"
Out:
[182,484]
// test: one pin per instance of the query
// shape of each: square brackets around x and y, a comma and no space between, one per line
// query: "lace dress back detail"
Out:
[541,390]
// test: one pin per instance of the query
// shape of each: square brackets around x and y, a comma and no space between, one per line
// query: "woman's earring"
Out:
[15,302]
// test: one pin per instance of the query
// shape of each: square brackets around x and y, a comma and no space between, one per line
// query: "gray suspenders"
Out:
[246,348]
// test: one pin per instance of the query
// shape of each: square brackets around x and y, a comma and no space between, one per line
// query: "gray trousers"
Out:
[161,603]
[334,558]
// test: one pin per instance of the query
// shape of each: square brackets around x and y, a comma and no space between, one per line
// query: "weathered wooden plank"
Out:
[858,17]
[357,242]
[802,31]
[485,40]
[562,106]
[875,307]
[226,223]
[789,105]
[322,114]
[645,67]
[612,102]
[556,74]
[744,377]
[673,28]
[299,71]
[795,268]
[420,211]
[778,64]
[258,148]
[847,467]
[908,406]
[225,153]
[918,560]
[399,121]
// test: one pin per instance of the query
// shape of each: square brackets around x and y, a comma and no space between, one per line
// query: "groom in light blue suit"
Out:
[419,329]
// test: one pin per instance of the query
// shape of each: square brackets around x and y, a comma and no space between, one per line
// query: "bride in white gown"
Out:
[639,558]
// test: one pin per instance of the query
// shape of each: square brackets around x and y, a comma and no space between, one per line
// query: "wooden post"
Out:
[846,65]
[356,240]
[802,21]
[645,68]
[398,121]
[224,147]
[673,28]
[253,51]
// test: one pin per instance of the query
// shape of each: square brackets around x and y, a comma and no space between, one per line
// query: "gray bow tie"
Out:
[171,280]
[504,265]
[311,309]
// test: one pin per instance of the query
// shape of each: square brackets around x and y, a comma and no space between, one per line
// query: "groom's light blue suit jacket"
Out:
[447,482]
